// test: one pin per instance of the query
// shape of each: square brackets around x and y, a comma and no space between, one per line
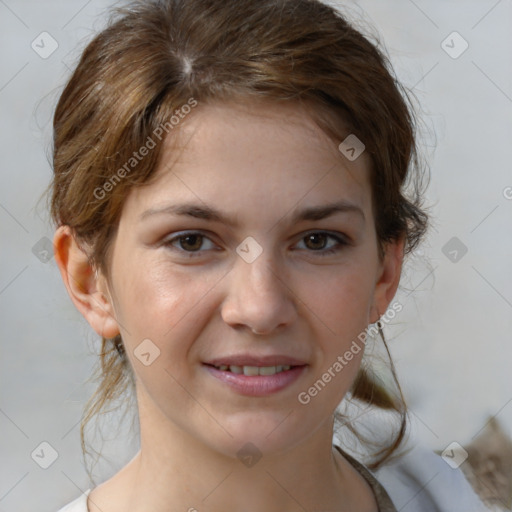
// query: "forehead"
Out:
[259,151]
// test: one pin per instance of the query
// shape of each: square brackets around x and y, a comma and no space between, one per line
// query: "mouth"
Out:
[253,370]
[255,380]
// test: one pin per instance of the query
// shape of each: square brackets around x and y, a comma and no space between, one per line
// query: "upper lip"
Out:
[255,360]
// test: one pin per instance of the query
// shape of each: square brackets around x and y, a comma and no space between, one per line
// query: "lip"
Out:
[257,385]
[255,360]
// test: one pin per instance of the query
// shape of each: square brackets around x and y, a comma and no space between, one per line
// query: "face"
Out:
[221,261]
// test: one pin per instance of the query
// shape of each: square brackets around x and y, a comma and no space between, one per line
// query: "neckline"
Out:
[382,498]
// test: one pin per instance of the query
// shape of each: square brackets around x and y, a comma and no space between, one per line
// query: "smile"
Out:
[253,370]
[256,380]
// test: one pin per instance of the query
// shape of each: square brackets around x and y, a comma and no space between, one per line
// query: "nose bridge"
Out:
[256,296]
[260,276]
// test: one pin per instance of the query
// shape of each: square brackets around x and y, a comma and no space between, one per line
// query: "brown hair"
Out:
[156,56]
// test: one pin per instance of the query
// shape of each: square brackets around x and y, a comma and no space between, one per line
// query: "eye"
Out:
[316,241]
[190,242]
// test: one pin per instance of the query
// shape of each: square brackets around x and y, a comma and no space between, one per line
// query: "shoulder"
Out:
[77,505]
[420,480]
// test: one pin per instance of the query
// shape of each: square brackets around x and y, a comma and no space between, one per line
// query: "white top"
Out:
[419,481]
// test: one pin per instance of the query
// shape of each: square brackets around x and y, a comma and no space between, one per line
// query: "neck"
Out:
[175,471]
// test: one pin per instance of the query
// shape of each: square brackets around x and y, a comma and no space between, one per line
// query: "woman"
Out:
[231,218]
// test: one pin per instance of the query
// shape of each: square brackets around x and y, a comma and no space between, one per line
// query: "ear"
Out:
[388,278]
[88,290]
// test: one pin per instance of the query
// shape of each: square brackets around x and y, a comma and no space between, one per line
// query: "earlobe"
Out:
[388,279]
[87,290]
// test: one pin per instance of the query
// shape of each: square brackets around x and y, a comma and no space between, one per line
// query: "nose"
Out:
[259,297]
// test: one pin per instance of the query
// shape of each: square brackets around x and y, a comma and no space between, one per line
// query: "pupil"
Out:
[197,238]
[315,236]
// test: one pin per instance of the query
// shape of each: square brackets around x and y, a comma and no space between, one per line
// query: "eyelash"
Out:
[341,242]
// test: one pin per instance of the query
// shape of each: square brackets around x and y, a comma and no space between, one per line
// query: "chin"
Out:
[267,433]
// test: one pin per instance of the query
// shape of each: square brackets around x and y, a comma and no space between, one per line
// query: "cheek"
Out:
[159,315]
[339,306]
[162,303]
[340,300]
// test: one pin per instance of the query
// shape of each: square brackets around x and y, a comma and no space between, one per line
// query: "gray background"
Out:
[451,343]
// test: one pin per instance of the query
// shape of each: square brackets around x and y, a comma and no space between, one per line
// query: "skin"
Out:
[258,163]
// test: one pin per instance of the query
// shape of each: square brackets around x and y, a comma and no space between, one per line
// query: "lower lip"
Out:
[258,385]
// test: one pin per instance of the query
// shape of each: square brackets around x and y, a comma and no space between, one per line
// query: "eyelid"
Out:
[341,239]
[168,241]
[335,234]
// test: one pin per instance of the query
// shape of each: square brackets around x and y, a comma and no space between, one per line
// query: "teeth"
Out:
[251,370]
[254,370]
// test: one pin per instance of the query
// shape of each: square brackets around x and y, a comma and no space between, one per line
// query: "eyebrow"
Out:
[205,212]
